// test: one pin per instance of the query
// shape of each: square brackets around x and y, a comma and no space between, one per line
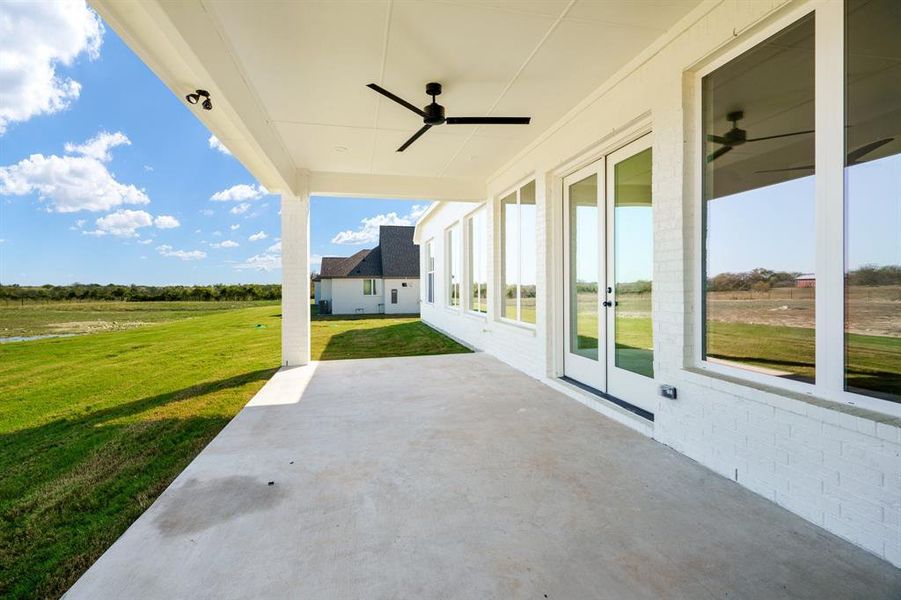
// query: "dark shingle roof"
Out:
[395,256]
[400,256]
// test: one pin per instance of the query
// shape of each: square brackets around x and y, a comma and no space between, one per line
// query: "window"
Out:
[759,207]
[430,270]
[872,294]
[394,296]
[477,229]
[369,287]
[813,301]
[452,237]
[518,257]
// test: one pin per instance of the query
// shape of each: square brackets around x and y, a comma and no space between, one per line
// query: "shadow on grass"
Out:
[400,339]
[70,487]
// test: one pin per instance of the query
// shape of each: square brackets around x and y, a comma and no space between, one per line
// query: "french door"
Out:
[607,271]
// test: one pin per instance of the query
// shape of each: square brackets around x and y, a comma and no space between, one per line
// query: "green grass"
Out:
[42,318]
[94,427]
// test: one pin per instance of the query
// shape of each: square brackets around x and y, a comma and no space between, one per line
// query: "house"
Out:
[668,141]
[384,279]
[806,280]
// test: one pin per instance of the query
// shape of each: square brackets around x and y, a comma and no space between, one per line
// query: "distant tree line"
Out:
[762,280]
[141,293]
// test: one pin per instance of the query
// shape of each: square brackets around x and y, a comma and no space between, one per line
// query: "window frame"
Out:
[449,253]
[469,260]
[829,203]
[429,291]
[499,283]
[373,287]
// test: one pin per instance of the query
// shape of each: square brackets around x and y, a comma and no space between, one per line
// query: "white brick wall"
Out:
[836,466]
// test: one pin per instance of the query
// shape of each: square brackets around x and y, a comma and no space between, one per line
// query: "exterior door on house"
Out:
[608,264]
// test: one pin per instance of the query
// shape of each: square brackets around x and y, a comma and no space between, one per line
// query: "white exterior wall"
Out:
[323,290]
[407,297]
[295,278]
[348,299]
[835,465]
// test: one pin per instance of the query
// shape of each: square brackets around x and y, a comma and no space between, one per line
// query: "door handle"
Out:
[607,303]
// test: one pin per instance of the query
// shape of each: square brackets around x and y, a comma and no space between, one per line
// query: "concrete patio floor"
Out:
[459,477]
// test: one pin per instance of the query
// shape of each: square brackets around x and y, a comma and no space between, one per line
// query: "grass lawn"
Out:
[94,427]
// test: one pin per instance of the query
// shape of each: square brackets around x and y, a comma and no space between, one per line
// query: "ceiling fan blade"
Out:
[396,98]
[488,120]
[718,153]
[781,135]
[415,137]
[857,154]
[801,168]
[717,138]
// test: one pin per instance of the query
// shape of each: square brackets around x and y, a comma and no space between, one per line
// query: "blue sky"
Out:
[111,180]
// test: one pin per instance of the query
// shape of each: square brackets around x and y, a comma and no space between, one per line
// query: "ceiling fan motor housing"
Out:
[434,112]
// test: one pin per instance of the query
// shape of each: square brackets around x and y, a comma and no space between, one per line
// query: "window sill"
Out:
[525,328]
[835,412]
[476,315]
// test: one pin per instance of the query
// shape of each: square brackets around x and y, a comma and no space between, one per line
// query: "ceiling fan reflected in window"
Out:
[737,136]
[433,114]
[854,157]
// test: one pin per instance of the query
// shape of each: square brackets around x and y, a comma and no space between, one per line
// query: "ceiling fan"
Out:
[853,157]
[433,114]
[736,136]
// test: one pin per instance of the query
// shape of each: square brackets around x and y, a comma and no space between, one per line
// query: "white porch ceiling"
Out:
[306,64]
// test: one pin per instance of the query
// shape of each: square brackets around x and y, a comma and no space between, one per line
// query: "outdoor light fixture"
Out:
[197,95]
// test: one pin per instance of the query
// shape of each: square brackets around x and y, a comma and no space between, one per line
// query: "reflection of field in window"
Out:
[759,207]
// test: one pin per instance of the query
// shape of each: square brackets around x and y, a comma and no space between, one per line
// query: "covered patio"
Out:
[457,476]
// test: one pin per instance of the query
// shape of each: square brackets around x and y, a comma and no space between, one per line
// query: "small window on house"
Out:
[452,244]
[369,287]
[518,254]
[430,271]
[394,296]
[477,229]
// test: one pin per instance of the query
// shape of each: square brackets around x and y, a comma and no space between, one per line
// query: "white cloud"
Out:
[207,212]
[240,209]
[36,38]
[276,247]
[217,233]
[145,242]
[166,222]
[122,223]
[148,168]
[215,144]
[261,262]
[233,227]
[166,250]
[368,232]
[225,244]
[98,147]
[72,183]
[240,193]
[260,235]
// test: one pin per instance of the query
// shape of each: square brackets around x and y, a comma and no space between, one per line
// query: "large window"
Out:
[477,231]
[369,287]
[873,198]
[430,271]
[452,285]
[518,254]
[802,250]
[759,207]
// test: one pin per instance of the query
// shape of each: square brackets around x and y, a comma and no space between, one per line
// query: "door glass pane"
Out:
[633,255]
[759,282]
[583,267]
[509,258]
[873,199]
[527,252]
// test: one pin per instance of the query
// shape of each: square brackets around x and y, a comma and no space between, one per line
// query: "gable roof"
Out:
[395,256]
[400,256]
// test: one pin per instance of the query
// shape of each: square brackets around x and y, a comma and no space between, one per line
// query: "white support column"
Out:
[296,277]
